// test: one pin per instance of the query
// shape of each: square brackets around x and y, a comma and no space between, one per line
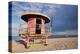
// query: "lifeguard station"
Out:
[36,27]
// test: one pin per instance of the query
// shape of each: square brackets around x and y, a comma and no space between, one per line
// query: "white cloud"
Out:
[17,28]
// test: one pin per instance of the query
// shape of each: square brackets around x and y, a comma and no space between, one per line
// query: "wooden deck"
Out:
[33,34]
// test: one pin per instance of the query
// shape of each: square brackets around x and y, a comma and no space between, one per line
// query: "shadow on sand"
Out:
[23,43]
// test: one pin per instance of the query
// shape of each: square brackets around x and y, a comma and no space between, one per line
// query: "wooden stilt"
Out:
[28,44]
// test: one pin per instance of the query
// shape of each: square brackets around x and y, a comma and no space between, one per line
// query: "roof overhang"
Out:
[27,15]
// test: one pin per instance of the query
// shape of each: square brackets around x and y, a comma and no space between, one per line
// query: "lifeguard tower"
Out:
[36,27]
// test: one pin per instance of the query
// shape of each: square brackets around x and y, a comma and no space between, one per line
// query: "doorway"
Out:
[38,26]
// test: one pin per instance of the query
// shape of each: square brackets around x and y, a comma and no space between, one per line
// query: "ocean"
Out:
[50,37]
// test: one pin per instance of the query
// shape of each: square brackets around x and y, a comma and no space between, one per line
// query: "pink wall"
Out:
[31,25]
[42,26]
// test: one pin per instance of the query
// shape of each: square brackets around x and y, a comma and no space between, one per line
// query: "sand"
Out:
[53,44]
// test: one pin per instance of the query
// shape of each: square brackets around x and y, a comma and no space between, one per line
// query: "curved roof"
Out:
[27,15]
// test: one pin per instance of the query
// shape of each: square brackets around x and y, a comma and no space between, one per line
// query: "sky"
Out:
[63,18]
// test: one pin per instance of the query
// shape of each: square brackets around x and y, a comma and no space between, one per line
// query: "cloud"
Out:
[20,7]
[49,9]
[18,28]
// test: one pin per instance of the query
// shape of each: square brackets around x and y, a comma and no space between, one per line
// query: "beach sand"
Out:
[53,44]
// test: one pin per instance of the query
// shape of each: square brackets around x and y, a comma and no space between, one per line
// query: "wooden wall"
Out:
[32,26]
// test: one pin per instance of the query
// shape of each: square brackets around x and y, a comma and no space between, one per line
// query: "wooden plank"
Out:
[33,34]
